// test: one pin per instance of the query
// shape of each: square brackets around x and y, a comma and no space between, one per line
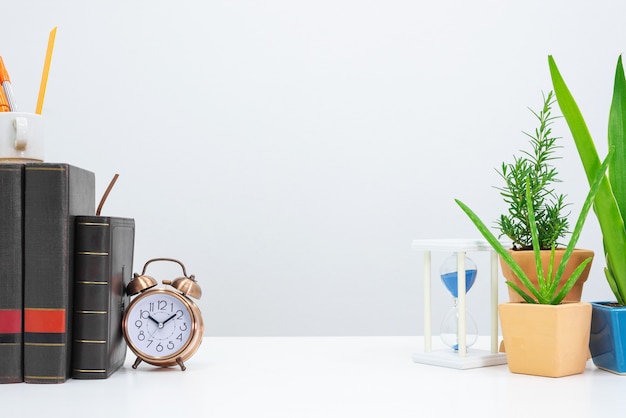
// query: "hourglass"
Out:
[458,331]
[450,324]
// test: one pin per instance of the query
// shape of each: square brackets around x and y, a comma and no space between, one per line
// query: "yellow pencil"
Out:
[46,70]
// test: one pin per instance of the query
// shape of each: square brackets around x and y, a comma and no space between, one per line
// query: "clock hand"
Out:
[170,318]
[159,325]
[155,321]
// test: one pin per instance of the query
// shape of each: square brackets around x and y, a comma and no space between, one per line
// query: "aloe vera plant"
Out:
[546,290]
[610,201]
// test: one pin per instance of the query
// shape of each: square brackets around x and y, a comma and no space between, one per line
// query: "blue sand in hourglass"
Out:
[450,280]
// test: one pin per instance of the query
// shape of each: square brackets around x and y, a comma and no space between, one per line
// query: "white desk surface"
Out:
[326,377]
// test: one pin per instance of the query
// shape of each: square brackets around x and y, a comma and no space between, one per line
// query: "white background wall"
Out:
[288,152]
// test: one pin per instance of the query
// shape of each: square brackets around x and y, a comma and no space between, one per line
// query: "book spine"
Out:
[11,271]
[103,267]
[91,298]
[53,195]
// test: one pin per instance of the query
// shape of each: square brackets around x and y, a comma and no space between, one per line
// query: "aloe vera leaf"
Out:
[545,293]
[551,279]
[570,282]
[571,245]
[523,294]
[605,206]
[600,176]
[541,281]
[499,248]
[554,283]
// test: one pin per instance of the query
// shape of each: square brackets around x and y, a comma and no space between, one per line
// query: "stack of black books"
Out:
[63,273]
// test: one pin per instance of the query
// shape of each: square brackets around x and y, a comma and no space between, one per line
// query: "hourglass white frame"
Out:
[462,358]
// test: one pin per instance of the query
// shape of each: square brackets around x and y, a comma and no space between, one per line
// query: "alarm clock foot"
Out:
[181,364]
[136,363]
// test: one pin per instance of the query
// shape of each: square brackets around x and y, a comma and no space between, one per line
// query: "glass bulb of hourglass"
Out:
[450,325]
[450,329]
[450,276]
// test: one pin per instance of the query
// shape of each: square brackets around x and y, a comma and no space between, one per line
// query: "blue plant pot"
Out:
[607,341]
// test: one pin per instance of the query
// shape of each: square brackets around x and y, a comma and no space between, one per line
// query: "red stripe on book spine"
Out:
[10,321]
[44,320]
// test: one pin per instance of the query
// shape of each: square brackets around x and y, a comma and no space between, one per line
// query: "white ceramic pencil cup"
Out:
[21,137]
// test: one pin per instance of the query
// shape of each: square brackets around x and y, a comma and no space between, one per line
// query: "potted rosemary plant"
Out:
[543,335]
[608,329]
[534,169]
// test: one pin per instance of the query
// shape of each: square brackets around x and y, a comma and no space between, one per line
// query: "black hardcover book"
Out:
[11,271]
[54,194]
[103,265]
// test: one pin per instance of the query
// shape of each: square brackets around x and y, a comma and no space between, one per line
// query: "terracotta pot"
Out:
[546,340]
[526,260]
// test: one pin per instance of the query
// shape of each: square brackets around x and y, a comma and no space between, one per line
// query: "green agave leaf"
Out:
[617,138]
[608,272]
[605,206]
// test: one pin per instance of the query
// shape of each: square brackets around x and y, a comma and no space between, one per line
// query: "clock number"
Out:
[144,314]
[179,314]
[159,347]
[141,336]
[138,323]
[183,327]
[180,337]
[162,305]
[170,345]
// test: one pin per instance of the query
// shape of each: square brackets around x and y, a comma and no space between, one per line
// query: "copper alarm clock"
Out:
[163,326]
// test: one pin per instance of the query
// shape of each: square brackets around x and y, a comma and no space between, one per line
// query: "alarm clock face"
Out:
[159,324]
